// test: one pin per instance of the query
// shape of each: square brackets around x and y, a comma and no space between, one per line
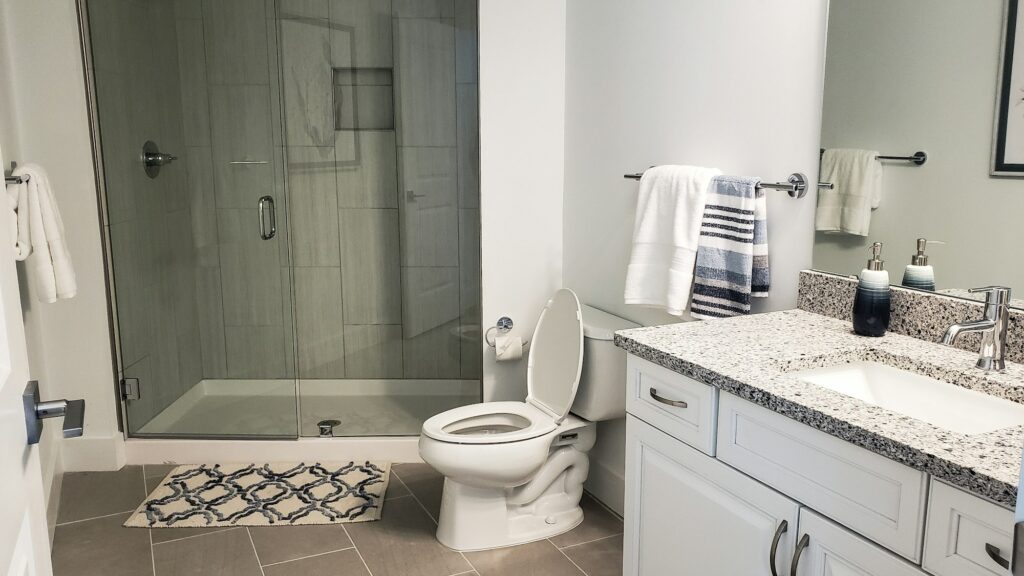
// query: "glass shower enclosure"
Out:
[291,194]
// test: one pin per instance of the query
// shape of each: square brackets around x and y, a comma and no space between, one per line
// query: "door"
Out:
[688,514]
[830,550]
[24,540]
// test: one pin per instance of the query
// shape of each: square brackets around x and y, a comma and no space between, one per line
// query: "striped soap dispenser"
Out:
[871,302]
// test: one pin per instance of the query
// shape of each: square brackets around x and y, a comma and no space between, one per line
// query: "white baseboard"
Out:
[168,451]
[93,454]
[608,486]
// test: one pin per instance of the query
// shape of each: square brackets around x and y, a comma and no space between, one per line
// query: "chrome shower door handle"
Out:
[266,209]
[36,411]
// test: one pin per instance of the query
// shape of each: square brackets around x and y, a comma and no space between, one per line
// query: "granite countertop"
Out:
[753,357]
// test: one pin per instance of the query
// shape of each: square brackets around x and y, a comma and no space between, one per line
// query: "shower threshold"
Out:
[267,408]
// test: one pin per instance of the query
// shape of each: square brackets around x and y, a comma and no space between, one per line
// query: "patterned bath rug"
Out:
[198,496]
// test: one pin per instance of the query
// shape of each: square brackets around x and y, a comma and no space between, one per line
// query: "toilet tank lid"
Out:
[600,325]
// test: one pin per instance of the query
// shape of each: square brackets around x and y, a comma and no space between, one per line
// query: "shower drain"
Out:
[327,427]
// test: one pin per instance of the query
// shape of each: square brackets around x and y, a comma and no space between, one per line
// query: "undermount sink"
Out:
[939,403]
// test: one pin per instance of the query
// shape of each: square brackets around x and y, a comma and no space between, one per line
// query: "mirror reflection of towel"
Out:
[856,176]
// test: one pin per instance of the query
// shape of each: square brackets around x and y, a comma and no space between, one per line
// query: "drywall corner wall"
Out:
[45,122]
[522,118]
[664,82]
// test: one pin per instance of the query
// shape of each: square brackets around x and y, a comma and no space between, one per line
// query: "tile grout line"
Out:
[356,548]
[571,561]
[226,529]
[255,553]
[69,522]
[431,516]
[308,557]
[152,552]
[588,541]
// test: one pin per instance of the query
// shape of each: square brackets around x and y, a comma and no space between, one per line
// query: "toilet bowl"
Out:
[514,471]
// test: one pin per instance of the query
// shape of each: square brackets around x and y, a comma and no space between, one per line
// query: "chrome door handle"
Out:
[36,411]
[266,205]
[158,158]
[783,526]
[663,400]
[800,547]
[993,553]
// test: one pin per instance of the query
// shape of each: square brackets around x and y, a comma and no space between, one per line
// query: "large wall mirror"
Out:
[904,76]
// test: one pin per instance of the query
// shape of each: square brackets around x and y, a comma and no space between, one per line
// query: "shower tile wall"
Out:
[230,101]
[154,271]
[383,216]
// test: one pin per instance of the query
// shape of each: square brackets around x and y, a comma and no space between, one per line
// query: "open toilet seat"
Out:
[490,423]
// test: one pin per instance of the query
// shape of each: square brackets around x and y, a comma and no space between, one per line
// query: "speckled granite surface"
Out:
[914,313]
[754,356]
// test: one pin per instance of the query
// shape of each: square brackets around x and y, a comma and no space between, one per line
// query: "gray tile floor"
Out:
[90,540]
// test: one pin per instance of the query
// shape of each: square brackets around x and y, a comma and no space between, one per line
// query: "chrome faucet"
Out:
[992,328]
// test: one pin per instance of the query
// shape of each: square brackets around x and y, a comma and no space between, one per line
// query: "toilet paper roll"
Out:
[508,348]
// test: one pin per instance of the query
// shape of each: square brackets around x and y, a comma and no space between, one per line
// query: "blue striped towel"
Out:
[732,252]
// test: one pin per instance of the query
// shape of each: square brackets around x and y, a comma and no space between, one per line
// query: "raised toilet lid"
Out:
[556,355]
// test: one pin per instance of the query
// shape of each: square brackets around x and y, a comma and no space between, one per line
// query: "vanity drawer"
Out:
[961,528]
[679,406]
[870,494]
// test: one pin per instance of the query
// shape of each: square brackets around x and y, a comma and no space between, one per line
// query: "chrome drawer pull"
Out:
[799,552]
[993,553]
[783,526]
[663,400]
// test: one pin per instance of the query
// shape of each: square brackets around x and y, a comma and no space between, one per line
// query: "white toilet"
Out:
[514,471]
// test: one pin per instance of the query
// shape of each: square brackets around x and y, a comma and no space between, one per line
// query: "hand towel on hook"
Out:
[41,229]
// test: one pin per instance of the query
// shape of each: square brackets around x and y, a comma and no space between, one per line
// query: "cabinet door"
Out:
[831,550]
[689,515]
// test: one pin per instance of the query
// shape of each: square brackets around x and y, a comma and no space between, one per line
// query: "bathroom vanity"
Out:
[782,443]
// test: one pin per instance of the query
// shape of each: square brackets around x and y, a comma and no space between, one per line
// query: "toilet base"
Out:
[475,518]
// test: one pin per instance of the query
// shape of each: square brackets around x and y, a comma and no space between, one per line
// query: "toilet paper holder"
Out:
[502,326]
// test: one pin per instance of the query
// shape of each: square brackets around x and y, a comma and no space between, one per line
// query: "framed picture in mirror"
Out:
[1008,141]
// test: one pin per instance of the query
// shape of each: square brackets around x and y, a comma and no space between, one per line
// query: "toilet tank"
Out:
[602,391]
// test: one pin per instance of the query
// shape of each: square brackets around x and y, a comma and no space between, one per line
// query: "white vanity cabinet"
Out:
[827,549]
[713,481]
[687,514]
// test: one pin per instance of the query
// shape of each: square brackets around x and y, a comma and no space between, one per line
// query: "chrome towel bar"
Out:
[795,185]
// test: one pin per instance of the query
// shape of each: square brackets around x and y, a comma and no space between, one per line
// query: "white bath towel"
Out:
[40,235]
[856,177]
[669,208]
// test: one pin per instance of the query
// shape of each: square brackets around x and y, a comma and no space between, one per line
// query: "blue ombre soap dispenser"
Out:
[871,302]
[919,274]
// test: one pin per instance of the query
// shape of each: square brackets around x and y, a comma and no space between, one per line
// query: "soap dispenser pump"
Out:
[871,304]
[919,274]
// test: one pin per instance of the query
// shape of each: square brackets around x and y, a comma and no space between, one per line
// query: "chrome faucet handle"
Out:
[996,296]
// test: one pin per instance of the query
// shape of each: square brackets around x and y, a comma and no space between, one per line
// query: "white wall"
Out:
[734,84]
[522,117]
[908,75]
[44,121]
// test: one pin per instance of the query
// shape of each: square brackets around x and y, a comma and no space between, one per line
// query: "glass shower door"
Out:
[198,243]
[380,109]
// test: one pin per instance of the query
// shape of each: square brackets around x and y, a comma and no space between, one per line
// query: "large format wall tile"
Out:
[425,87]
[423,8]
[466,45]
[429,206]
[433,354]
[241,132]
[211,322]
[367,169]
[254,352]
[370,265]
[302,9]
[194,90]
[203,206]
[307,80]
[361,33]
[319,322]
[373,351]
[250,271]
[430,298]
[469,146]
[313,206]
[469,292]
[236,41]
